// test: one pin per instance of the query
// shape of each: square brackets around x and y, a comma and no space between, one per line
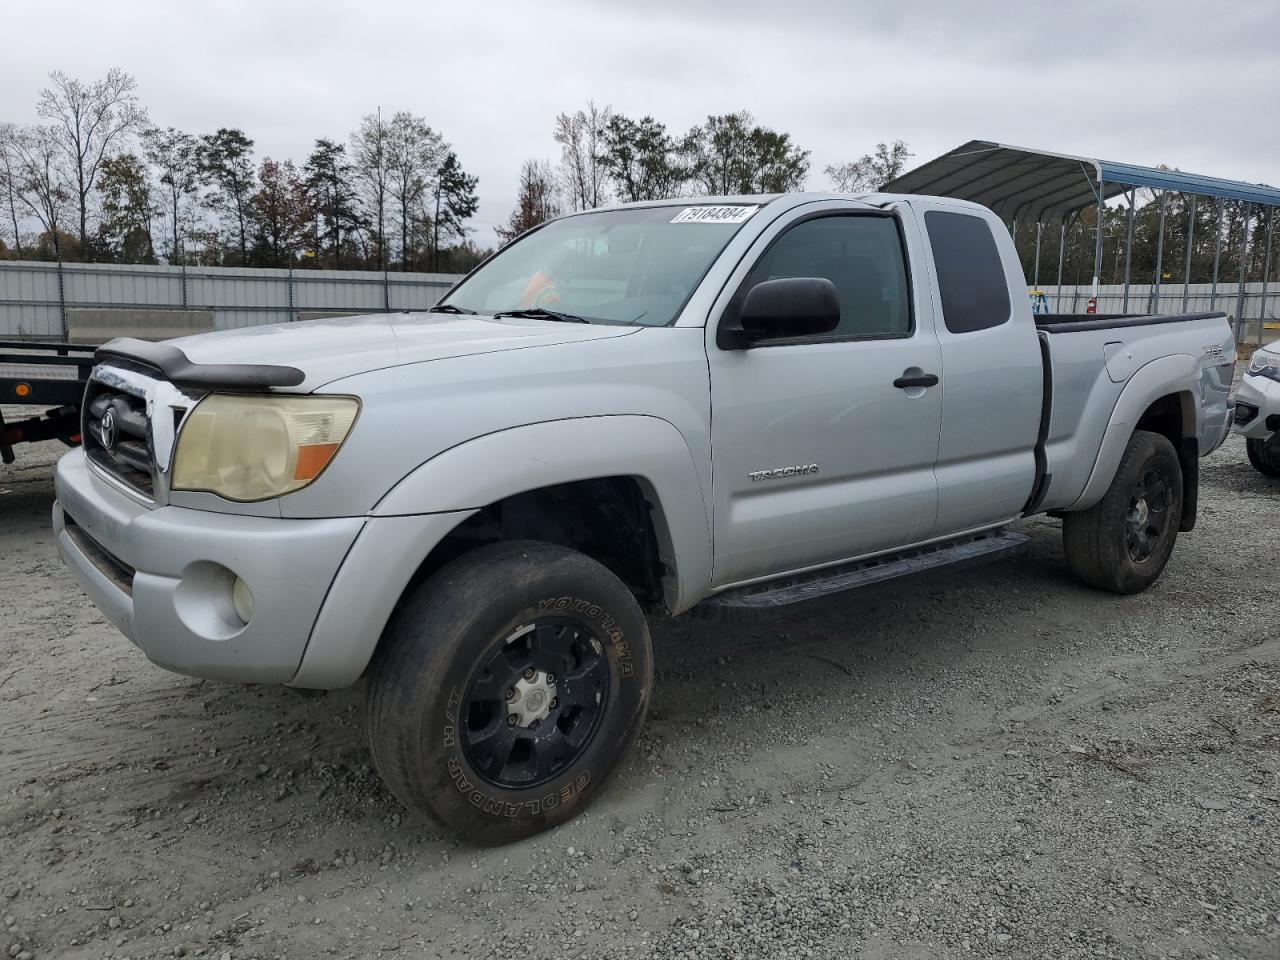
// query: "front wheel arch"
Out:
[536,456]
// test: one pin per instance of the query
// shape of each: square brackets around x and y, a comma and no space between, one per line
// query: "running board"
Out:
[761,598]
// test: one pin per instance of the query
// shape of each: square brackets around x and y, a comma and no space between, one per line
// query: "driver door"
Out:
[818,455]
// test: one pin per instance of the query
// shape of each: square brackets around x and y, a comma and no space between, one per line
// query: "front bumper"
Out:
[164,576]
[1257,401]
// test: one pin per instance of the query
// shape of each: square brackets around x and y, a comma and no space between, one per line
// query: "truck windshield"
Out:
[632,266]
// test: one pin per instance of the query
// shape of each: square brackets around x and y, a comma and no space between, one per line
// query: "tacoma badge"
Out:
[778,472]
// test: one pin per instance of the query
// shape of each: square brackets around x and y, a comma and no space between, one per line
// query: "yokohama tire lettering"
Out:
[501,808]
[608,626]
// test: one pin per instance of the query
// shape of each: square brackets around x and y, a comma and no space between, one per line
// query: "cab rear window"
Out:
[971,280]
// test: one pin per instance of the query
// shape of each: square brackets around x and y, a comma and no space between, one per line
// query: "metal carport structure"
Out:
[1026,185]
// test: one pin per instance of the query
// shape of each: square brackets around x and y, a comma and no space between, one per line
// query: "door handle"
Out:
[921,380]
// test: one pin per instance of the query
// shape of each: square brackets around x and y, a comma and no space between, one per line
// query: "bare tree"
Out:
[415,153]
[9,179]
[90,121]
[871,171]
[177,156]
[40,184]
[40,187]
[583,175]
[537,201]
[370,160]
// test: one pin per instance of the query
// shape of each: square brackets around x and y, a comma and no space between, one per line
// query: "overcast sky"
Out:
[1194,85]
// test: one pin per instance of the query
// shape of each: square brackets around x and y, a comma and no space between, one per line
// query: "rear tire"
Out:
[1264,455]
[1123,542]
[507,687]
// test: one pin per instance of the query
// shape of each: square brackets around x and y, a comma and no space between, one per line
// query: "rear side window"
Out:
[975,294]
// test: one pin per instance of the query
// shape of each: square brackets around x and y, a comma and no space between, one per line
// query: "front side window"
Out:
[971,278]
[633,266]
[861,256]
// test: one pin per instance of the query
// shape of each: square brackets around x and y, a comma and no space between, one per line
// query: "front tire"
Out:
[1264,455]
[507,687]
[1123,542]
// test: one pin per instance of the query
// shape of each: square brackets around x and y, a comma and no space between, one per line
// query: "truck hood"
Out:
[336,347]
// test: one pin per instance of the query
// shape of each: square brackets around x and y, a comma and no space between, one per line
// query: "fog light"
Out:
[242,599]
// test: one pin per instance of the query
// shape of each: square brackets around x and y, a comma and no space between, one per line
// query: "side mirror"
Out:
[775,309]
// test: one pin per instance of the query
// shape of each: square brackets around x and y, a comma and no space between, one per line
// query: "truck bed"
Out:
[1091,360]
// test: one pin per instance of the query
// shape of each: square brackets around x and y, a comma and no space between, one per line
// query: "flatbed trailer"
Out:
[48,375]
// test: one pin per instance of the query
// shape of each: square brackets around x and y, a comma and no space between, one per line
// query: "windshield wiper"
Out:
[538,313]
[448,308]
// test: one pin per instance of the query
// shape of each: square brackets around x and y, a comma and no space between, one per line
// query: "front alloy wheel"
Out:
[506,688]
[534,705]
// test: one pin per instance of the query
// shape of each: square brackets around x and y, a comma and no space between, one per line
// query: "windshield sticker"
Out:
[734,214]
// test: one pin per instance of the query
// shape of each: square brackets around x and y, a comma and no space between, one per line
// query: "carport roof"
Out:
[1019,183]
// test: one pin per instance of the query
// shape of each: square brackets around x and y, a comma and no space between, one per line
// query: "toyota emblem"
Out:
[108,429]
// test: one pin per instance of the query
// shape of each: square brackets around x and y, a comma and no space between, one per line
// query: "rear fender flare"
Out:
[1175,374]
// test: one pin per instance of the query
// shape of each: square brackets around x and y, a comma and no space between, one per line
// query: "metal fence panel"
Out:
[1200,299]
[32,306]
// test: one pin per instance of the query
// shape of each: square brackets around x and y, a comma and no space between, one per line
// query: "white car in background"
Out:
[1257,414]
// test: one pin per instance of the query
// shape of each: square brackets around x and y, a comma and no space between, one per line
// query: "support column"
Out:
[1266,272]
[1062,250]
[1186,269]
[1217,258]
[1128,250]
[62,302]
[1097,243]
[1154,304]
[1244,254]
[1039,232]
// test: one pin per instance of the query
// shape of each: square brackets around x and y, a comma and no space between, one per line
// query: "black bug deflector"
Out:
[181,371]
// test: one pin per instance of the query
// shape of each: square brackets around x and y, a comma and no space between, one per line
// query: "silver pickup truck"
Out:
[721,406]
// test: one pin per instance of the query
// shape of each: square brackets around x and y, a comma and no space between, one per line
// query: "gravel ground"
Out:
[993,762]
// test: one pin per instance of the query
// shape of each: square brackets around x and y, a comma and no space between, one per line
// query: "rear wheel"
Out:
[1123,542]
[507,687]
[1265,455]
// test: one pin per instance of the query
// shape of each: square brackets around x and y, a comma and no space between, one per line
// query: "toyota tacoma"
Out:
[721,405]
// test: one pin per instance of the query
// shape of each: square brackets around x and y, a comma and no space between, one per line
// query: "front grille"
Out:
[122,447]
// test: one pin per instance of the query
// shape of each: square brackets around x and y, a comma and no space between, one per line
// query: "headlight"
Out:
[1264,363]
[258,447]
